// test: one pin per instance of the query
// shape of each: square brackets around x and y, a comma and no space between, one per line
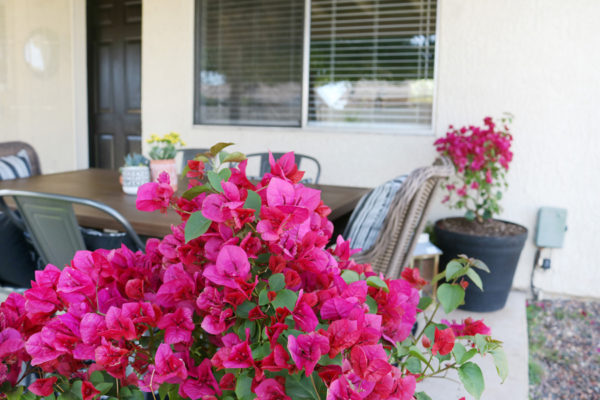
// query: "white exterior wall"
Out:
[537,59]
[48,109]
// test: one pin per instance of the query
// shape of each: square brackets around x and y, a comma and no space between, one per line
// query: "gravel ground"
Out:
[564,349]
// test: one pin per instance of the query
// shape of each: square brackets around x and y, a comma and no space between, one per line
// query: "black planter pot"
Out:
[499,253]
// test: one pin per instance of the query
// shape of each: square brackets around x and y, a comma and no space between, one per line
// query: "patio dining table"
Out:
[103,185]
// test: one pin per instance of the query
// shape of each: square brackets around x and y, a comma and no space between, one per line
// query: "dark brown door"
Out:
[114,80]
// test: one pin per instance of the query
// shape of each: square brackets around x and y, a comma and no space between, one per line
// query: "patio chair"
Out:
[258,165]
[13,148]
[189,154]
[51,222]
[405,220]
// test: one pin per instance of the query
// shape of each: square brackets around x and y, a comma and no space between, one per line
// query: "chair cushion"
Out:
[367,218]
[15,166]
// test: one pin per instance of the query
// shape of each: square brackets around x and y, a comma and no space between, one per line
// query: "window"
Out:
[367,63]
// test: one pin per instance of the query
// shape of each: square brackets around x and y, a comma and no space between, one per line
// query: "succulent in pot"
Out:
[134,173]
[162,154]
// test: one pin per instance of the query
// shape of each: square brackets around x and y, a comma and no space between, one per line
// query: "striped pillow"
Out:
[367,218]
[17,166]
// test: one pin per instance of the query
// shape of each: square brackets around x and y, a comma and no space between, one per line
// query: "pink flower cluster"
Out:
[481,156]
[256,302]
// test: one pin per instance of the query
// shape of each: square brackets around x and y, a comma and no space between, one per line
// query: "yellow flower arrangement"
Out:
[164,146]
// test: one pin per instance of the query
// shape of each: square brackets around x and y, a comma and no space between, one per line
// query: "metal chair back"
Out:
[306,163]
[51,222]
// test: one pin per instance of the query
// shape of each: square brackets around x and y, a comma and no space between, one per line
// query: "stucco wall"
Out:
[536,59]
[46,107]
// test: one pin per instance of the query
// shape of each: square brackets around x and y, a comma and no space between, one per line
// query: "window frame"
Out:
[401,130]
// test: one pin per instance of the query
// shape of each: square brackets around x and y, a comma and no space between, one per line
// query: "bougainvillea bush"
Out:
[243,300]
[481,156]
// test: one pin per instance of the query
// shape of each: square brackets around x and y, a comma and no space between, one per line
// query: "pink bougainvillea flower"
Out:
[473,328]
[340,389]
[370,362]
[169,368]
[240,355]
[178,325]
[307,349]
[43,387]
[342,334]
[112,358]
[443,341]
[154,196]
[202,384]
[118,326]
[276,360]
[39,350]
[11,341]
[88,391]
[271,389]
[304,316]
[413,276]
[232,264]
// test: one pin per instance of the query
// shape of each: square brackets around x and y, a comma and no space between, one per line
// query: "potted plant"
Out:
[241,301]
[134,173]
[163,154]
[481,156]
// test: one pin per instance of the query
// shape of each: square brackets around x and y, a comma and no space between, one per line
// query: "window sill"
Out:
[384,131]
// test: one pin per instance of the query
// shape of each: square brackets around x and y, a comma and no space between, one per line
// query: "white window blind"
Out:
[371,63]
[249,62]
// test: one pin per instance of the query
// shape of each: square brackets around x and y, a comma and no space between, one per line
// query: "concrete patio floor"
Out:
[508,325]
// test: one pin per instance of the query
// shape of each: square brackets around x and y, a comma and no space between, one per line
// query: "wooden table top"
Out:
[103,186]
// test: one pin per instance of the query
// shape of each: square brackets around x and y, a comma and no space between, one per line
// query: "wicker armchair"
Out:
[405,220]
[12,148]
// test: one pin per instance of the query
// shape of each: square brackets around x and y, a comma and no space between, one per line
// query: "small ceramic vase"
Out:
[168,166]
[134,177]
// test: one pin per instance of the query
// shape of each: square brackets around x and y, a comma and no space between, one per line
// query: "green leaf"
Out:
[481,265]
[215,181]
[413,365]
[236,156]
[196,225]
[76,389]
[244,308]
[261,351]
[452,269]
[242,388]
[377,282]
[350,276]
[29,396]
[326,360]
[470,215]
[424,302]
[422,396]
[15,394]
[263,297]
[216,149]
[163,390]
[277,282]
[475,278]
[225,174]
[300,389]
[481,343]
[104,387]
[450,296]
[458,351]
[96,377]
[195,191]
[501,363]
[372,304]
[253,202]
[415,352]
[470,375]
[468,355]
[285,298]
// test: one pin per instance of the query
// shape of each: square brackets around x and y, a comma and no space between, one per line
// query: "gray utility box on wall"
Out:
[551,227]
